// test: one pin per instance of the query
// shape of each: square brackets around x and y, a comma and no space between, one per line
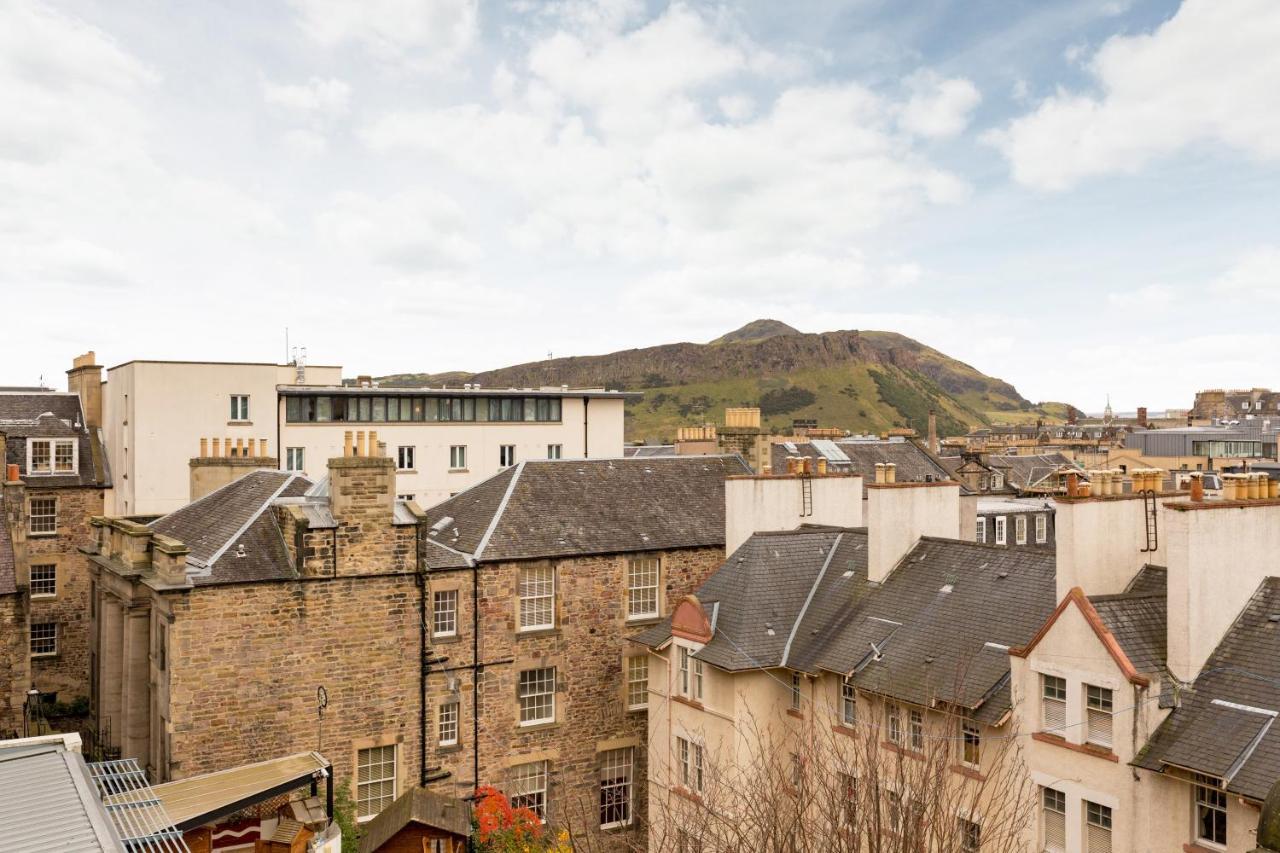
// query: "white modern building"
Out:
[158,415]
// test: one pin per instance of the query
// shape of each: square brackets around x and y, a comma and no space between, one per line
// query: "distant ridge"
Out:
[863,381]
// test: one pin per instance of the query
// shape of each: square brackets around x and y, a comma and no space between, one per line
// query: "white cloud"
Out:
[409,232]
[938,107]
[1255,275]
[422,33]
[1150,298]
[319,97]
[736,107]
[306,143]
[1209,74]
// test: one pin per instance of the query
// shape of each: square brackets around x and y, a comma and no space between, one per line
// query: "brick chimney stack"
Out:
[933,432]
[85,379]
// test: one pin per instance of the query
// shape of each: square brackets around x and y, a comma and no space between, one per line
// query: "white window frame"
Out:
[294,458]
[1207,795]
[1020,529]
[982,529]
[1058,807]
[1042,528]
[893,722]
[362,812]
[447,724]
[644,578]
[848,702]
[691,757]
[795,691]
[50,578]
[536,597]
[691,674]
[997,480]
[555,451]
[50,638]
[506,455]
[1103,822]
[405,453]
[444,620]
[622,764]
[970,738]
[240,411]
[53,445]
[32,517]
[536,701]
[1100,707]
[637,682]
[915,729]
[457,457]
[1001,530]
[1051,704]
[529,787]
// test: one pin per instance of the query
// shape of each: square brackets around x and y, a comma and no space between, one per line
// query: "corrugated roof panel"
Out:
[49,804]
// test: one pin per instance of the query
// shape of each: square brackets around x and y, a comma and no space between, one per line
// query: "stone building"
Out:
[271,616]
[537,691]
[15,656]
[54,439]
[1015,522]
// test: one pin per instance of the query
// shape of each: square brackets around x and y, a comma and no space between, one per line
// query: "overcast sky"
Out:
[1079,197]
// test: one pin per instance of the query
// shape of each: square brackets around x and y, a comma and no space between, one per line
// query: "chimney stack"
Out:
[1142,417]
[756,504]
[85,378]
[208,473]
[898,514]
[933,432]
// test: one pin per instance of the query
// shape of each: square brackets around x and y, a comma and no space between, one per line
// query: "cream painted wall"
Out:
[1217,558]
[770,503]
[899,514]
[1100,542]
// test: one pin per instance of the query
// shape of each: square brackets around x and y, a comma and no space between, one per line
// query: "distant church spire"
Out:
[1107,415]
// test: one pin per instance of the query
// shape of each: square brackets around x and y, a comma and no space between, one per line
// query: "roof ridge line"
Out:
[438,544]
[795,626]
[497,513]
[217,555]
[220,489]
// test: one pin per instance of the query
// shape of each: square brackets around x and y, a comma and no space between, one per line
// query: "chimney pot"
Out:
[374,446]
[890,472]
[11,472]
[204,448]
[217,448]
[361,447]
[253,447]
[1197,487]
[822,466]
[262,447]
[880,474]
[346,443]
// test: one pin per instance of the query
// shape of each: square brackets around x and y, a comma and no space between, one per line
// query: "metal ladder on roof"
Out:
[1153,527]
[806,496]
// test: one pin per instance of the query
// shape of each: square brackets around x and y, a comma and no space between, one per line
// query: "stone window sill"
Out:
[692,703]
[447,750]
[444,639]
[792,712]
[45,535]
[844,730]
[537,632]
[239,423]
[901,750]
[1086,748]
[459,470]
[968,772]
[643,621]
[537,727]
[681,791]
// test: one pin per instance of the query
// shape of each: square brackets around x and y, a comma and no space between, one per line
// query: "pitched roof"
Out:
[417,805]
[649,450]
[52,414]
[564,507]
[914,463]
[1026,472]
[937,628]
[1082,603]
[1139,622]
[51,803]
[238,514]
[1225,724]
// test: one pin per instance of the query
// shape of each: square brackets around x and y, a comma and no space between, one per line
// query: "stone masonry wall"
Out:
[588,647]
[247,659]
[66,673]
[15,663]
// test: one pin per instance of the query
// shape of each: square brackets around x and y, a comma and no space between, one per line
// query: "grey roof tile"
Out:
[1139,622]
[914,463]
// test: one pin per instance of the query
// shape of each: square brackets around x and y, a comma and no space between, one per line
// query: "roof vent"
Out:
[1274,617]
[946,589]
[240,550]
[1001,575]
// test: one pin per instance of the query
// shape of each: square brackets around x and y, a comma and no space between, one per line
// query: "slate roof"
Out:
[8,568]
[1139,622]
[1225,724]
[566,507]
[418,805]
[214,527]
[649,450]
[914,463]
[51,414]
[802,600]
[1025,472]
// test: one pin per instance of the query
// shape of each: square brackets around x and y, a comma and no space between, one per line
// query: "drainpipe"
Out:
[476,669]
[422,659]
[586,401]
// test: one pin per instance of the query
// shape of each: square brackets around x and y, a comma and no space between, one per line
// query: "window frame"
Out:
[1207,796]
[611,784]
[1098,706]
[530,701]
[633,681]
[1020,529]
[970,835]
[848,701]
[1057,807]
[648,569]
[239,413]
[555,451]
[982,529]
[394,779]
[970,744]
[443,713]
[52,578]
[915,729]
[52,445]
[457,454]
[532,596]
[893,722]
[1002,530]
[52,639]
[1042,528]
[438,596]
[32,515]
[506,455]
[691,757]
[535,798]
[295,458]
[1059,702]
[405,452]
[1104,821]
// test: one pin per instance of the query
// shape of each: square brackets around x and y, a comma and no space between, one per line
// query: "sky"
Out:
[1079,197]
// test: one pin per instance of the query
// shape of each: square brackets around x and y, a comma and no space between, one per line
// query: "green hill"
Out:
[863,381]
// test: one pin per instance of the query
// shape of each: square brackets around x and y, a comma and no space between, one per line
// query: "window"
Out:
[1000,524]
[689,755]
[44,639]
[795,691]
[615,787]
[537,696]
[1042,529]
[637,682]
[1211,810]
[44,580]
[970,836]
[1020,529]
[848,702]
[458,457]
[404,457]
[916,719]
[1053,702]
[1097,828]
[1098,707]
[375,780]
[971,744]
[554,451]
[1053,818]
[537,597]
[448,724]
[642,588]
[849,806]
[293,459]
[408,496]
[690,674]
[44,515]
[444,613]
[529,788]
[982,530]
[51,455]
[997,481]
[240,412]
[893,722]
[506,455]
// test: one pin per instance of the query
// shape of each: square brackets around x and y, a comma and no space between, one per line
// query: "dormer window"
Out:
[997,480]
[51,455]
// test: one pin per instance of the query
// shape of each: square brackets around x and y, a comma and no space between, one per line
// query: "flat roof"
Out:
[219,363]
[200,799]
[402,391]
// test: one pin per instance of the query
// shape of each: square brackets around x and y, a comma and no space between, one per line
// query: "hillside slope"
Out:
[864,381]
